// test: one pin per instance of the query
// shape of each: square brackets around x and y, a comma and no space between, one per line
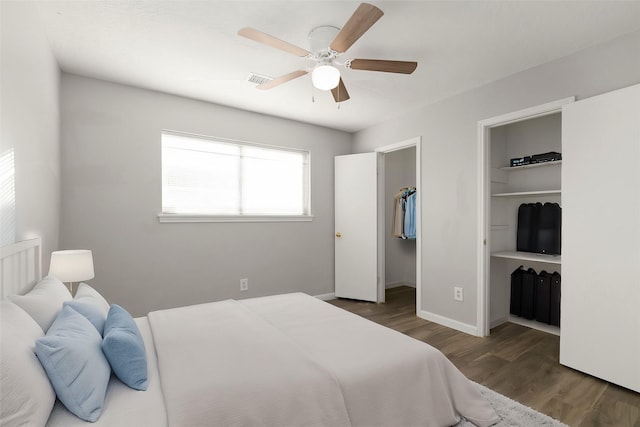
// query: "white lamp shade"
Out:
[325,77]
[72,266]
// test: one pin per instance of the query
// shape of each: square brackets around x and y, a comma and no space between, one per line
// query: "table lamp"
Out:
[71,266]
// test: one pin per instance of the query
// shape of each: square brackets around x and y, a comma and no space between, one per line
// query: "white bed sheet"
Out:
[125,407]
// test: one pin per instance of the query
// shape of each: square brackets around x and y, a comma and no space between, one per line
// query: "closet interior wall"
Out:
[400,254]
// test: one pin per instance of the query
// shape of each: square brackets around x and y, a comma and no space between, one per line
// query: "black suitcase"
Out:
[529,294]
[548,229]
[515,306]
[554,303]
[528,214]
[543,296]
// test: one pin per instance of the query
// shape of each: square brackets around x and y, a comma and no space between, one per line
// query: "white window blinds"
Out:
[7,199]
[205,176]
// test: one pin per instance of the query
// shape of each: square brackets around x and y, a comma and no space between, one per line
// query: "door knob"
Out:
[338,234]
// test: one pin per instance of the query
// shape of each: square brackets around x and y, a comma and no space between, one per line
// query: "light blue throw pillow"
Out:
[124,348]
[90,310]
[71,355]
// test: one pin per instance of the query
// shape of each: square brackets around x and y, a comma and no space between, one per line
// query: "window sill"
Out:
[167,218]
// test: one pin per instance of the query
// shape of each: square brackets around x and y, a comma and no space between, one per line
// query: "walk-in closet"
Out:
[400,239]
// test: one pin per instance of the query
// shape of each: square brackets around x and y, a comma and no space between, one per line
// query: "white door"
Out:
[600,319]
[356,226]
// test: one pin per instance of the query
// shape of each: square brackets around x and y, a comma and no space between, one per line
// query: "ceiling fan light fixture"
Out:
[325,77]
[327,44]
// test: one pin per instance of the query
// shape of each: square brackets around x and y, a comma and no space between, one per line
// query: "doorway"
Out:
[399,259]
[490,244]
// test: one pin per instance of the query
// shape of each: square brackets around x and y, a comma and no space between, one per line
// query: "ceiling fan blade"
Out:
[403,67]
[340,93]
[362,19]
[265,38]
[282,79]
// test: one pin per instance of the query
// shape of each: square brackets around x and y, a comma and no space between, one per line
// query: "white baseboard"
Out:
[449,323]
[524,322]
[398,284]
[326,297]
[498,322]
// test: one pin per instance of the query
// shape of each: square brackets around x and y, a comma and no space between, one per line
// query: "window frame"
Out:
[204,217]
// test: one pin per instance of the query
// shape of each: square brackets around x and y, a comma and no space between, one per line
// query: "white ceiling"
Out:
[191,48]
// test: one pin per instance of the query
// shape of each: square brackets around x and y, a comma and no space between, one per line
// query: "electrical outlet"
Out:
[458,295]
[244,284]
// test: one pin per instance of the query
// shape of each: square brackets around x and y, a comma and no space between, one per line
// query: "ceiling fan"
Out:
[327,44]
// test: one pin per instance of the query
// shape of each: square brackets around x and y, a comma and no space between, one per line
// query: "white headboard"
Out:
[20,266]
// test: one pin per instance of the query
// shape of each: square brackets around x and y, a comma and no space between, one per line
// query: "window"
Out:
[210,177]
[7,198]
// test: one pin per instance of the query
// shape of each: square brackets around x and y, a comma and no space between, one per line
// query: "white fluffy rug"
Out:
[513,414]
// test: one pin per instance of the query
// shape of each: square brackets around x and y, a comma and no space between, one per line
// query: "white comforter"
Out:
[223,365]
[292,360]
[286,360]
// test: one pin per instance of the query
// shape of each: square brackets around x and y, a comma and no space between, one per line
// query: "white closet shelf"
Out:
[529,193]
[529,256]
[531,166]
[533,324]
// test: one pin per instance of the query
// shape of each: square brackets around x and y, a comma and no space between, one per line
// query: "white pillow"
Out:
[86,291]
[26,393]
[91,305]
[44,301]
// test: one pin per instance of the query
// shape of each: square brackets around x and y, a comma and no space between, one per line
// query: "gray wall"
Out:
[29,123]
[400,255]
[449,158]
[111,195]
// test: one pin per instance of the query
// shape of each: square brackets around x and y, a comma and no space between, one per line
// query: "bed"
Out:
[283,360]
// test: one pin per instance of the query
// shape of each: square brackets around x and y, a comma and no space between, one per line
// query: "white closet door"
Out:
[600,315]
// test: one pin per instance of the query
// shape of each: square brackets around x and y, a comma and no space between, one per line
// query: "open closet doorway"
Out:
[399,249]
[504,188]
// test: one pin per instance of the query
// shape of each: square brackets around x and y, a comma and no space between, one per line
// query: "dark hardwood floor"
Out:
[516,361]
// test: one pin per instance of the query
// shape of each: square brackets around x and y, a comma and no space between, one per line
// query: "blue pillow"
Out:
[124,348]
[90,310]
[77,369]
